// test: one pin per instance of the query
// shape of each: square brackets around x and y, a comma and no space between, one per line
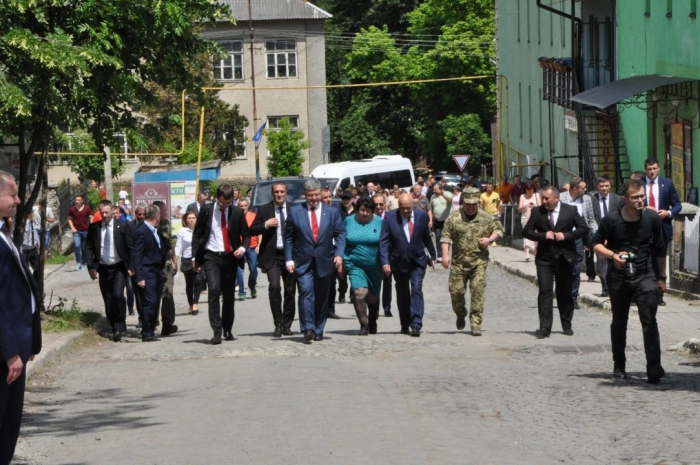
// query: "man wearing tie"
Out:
[314,244]
[219,242]
[405,236]
[270,223]
[197,206]
[148,258]
[20,324]
[604,202]
[661,197]
[380,201]
[108,251]
[555,227]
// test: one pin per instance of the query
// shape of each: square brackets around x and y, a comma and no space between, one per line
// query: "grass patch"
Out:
[59,319]
[58,259]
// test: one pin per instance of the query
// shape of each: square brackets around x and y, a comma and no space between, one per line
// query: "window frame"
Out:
[280,51]
[233,55]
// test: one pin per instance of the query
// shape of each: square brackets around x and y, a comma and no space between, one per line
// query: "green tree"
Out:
[285,145]
[465,134]
[88,167]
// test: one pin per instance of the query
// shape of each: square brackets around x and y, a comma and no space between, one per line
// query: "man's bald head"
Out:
[405,204]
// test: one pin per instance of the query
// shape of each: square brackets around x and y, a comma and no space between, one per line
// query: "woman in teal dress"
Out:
[362,263]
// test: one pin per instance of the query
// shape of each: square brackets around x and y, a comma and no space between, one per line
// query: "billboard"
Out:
[175,195]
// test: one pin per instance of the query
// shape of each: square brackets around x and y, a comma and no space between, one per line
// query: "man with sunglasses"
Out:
[631,240]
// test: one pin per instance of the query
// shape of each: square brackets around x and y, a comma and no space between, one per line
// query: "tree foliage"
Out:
[285,145]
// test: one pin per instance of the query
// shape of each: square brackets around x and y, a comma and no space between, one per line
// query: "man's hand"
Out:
[290,268]
[338,260]
[661,284]
[129,273]
[31,357]
[386,269]
[239,252]
[445,261]
[663,214]
[257,249]
[73,230]
[271,223]
[559,236]
[14,369]
[484,242]
[141,283]
[93,273]
[550,235]
[197,268]
[618,262]
[430,224]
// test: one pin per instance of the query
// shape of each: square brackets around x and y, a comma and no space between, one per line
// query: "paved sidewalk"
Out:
[678,321]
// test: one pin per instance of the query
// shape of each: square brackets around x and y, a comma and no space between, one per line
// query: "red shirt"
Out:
[249,218]
[81,218]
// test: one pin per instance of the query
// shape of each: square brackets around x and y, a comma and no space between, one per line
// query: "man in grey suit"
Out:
[604,202]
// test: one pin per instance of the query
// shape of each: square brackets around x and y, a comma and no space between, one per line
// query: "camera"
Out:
[629,257]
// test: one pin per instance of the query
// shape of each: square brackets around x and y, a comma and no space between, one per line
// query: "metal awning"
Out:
[617,91]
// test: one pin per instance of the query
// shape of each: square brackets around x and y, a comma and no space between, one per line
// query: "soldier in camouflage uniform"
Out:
[469,231]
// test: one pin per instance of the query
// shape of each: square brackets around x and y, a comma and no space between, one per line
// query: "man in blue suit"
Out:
[20,326]
[404,238]
[661,196]
[314,244]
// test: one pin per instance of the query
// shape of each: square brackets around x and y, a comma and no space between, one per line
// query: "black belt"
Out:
[279,251]
[218,254]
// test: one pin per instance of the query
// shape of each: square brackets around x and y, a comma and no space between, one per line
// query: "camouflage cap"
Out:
[471,195]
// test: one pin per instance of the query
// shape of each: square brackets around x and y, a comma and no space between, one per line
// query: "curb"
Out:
[51,352]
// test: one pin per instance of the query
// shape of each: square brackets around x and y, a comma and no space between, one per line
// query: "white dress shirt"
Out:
[216,238]
[556,213]
[654,189]
[110,257]
[183,246]
[280,228]
[405,225]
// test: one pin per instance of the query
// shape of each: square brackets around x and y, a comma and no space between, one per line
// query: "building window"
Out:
[231,67]
[281,58]
[273,122]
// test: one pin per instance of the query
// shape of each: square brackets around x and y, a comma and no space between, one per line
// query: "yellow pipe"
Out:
[199,149]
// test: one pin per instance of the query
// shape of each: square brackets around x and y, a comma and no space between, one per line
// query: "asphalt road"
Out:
[446,397]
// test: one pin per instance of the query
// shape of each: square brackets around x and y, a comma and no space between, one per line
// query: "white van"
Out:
[387,170]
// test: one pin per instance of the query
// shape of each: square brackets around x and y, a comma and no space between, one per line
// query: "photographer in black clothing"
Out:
[631,239]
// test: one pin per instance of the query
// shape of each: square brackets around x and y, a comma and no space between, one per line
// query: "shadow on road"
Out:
[689,382]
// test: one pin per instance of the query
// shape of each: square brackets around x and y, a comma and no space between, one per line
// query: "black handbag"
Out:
[186,265]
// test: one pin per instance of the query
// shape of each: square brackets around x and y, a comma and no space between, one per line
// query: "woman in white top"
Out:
[455,198]
[529,200]
[183,249]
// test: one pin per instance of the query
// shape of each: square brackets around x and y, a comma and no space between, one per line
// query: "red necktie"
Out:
[224,232]
[314,223]
[410,227]
[652,200]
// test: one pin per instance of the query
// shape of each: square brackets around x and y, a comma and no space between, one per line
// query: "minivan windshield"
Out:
[329,183]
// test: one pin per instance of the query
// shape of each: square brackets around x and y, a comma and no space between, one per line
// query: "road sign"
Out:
[461,161]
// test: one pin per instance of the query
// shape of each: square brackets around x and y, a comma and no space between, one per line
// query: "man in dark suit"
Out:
[148,257]
[555,227]
[132,297]
[20,325]
[314,244]
[270,222]
[604,202]
[197,206]
[108,251]
[219,242]
[661,196]
[405,236]
[167,300]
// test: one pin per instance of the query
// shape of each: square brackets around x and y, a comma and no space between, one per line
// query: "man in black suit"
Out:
[20,324]
[148,257]
[405,236]
[270,223]
[219,242]
[197,206]
[108,251]
[604,202]
[555,227]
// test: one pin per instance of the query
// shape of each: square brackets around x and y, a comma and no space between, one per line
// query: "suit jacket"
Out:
[614,204]
[268,246]
[147,258]
[588,212]
[668,200]
[538,225]
[238,232]
[20,330]
[299,245]
[123,242]
[396,251]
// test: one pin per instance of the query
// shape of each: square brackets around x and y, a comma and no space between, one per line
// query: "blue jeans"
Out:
[79,241]
[252,259]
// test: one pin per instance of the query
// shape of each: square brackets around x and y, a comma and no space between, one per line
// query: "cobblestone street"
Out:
[446,397]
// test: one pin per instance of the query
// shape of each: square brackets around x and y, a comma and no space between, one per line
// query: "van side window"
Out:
[344,183]
[402,178]
[364,178]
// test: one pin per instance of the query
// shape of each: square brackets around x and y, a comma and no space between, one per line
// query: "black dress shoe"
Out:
[605,294]
[415,332]
[333,316]
[287,332]
[364,331]
[461,323]
[277,332]
[228,335]
[149,339]
[372,326]
[341,298]
[662,303]
[387,312]
[308,335]
[619,371]
[655,373]
[318,337]
[168,330]
[216,340]
[576,305]
[591,280]
[117,336]
[568,332]
[405,331]
[542,333]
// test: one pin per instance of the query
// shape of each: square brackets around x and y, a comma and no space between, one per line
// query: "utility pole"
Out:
[108,173]
[252,72]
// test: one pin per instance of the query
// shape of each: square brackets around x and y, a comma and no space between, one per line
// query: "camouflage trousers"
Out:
[475,275]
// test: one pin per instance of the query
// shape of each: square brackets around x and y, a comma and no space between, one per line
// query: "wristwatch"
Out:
[491,241]
[663,278]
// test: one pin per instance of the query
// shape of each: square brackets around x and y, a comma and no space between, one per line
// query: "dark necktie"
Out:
[314,224]
[283,220]
[551,219]
[605,206]
[652,200]
[107,245]
[224,232]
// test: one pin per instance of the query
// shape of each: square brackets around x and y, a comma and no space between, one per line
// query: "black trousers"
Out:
[641,289]
[386,293]
[655,267]
[32,256]
[11,407]
[112,279]
[547,273]
[221,272]
[137,297]
[590,264]
[149,296]
[193,286]
[278,276]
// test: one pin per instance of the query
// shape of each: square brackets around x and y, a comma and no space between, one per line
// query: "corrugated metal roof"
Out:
[270,10]
[210,171]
